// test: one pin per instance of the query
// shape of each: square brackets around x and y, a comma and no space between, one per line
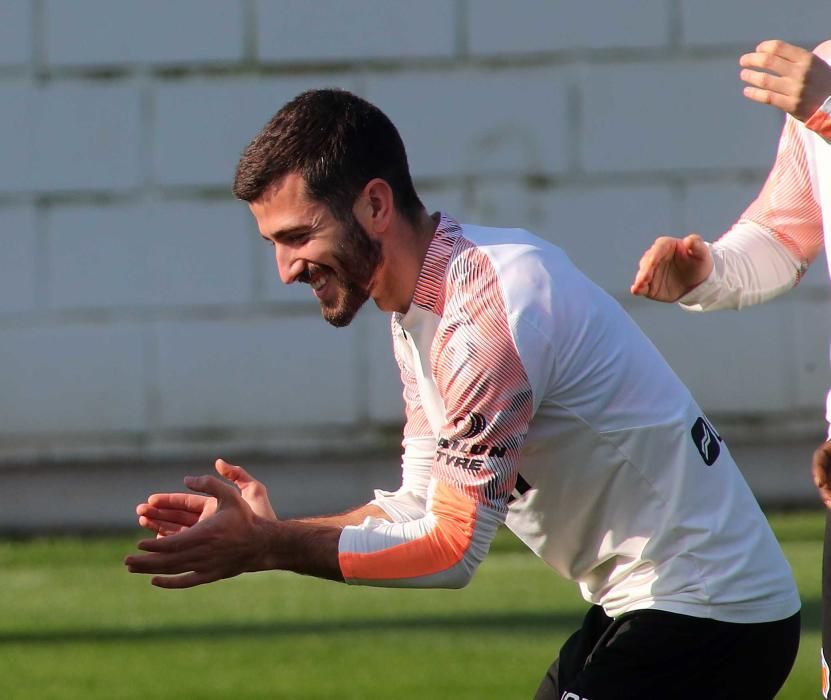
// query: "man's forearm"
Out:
[310,545]
[302,547]
[750,266]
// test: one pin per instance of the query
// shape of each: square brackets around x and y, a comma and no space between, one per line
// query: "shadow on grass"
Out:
[524,622]
[503,622]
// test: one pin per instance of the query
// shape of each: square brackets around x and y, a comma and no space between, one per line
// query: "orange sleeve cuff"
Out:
[441,548]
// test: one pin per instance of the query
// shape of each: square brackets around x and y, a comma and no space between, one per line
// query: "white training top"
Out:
[533,398]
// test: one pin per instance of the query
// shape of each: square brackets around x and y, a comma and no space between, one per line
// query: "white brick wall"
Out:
[18,266]
[70,136]
[102,33]
[140,314]
[529,26]
[163,254]
[382,375]
[746,23]
[332,30]
[17,140]
[711,208]
[15,32]
[255,374]
[478,122]
[200,127]
[672,116]
[65,379]
[714,353]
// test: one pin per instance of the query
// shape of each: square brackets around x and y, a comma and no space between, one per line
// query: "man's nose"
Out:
[287,266]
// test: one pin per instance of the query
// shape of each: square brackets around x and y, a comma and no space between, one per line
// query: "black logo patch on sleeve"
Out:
[706,440]
[471,426]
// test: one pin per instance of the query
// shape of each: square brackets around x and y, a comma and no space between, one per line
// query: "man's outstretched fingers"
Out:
[193,502]
[253,491]
[196,578]
[167,515]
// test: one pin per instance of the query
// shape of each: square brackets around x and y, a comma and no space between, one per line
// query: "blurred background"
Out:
[144,331]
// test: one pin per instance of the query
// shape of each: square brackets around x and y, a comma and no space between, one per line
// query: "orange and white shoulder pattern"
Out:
[466,392]
[483,382]
[820,121]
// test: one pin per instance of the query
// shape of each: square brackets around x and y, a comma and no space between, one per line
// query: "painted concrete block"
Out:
[202,126]
[720,356]
[69,379]
[18,263]
[102,33]
[164,254]
[478,122]
[531,26]
[16,32]
[672,117]
[329,30]
[386,404]
[83,136]
[744,23]
[809,360]
[262,372]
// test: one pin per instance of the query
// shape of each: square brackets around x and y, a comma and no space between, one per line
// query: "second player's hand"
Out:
[786,76]
[671,267]
[821,469]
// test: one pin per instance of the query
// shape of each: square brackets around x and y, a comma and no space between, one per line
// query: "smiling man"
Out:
[531,399]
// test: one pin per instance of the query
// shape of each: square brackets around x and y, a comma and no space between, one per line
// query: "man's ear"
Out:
[375,206]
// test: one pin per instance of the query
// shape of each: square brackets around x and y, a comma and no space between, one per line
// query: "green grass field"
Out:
[75,624]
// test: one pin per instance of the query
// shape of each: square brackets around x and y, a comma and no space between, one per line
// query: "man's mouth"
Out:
[317,277]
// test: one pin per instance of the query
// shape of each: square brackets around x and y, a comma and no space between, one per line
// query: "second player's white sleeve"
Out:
[749,267]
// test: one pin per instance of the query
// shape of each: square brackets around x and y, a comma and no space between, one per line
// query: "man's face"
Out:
[337,260]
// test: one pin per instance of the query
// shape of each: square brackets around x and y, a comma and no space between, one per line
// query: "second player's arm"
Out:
[763,255]
[780,234]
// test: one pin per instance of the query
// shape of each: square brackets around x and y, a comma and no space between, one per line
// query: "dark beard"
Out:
[358,258]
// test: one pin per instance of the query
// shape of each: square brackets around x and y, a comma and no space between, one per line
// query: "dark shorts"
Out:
[651,655]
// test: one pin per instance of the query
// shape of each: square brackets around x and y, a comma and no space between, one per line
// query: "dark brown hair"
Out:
[337,142]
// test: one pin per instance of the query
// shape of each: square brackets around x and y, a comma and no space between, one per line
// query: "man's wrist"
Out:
[291,545]
[703,289]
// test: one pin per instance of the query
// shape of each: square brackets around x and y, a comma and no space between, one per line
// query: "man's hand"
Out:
[786,76]
[671,267]
[169,513]
[220,534]
[821,469]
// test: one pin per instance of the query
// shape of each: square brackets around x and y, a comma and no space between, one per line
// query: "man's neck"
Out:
[403,260]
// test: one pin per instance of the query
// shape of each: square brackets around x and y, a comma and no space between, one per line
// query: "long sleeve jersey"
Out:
[783,230]
[534,400]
